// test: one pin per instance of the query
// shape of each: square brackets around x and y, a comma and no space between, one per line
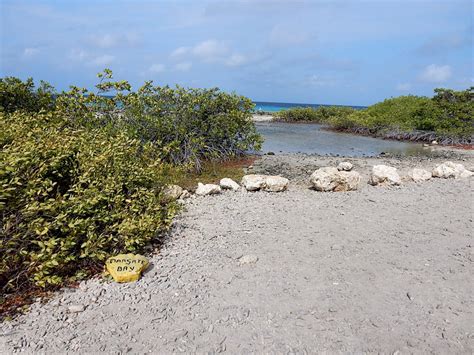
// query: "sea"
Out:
[279,106]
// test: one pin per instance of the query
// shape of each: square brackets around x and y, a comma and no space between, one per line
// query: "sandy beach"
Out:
[374,270]
[262,118]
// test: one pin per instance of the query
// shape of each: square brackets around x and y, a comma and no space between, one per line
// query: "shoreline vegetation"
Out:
[447,118]
[83,175]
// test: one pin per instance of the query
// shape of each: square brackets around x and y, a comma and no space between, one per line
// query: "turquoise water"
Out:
[278,106]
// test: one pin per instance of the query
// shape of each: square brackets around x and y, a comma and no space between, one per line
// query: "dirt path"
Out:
[375,270]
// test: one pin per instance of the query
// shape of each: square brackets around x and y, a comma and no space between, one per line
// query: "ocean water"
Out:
[279,106]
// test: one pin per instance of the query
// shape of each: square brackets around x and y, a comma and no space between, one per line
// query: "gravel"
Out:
[384,270]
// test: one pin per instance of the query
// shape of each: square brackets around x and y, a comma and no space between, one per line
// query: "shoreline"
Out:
[297,167]
[262,118]
[268,118]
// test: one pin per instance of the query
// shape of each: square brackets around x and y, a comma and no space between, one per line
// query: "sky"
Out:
[310,51]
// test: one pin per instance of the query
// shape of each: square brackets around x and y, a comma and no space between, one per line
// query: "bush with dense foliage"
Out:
[406,113]
[456,112]
[81,178]
[70,197]
[321,114]
[18,95]
[190,125]
[448,116]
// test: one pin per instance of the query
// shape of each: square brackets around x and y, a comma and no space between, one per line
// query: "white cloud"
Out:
[102,60]
[109,40]
[30,52]
[403,86]
[82,56]
[436,73]
[211,51]
[180,51]
[183,66]
[157,68]
[236,60]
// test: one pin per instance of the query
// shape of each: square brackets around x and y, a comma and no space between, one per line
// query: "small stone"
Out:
[434,143]
[336,247]
[77,308]
[126,267]
[344,166]
[248,259]
[172,192]
[185,194]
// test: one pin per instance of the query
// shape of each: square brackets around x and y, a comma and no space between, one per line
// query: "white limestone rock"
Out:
[172,192]
[268,183]
[248,259]
[229,184]
[185,194]
[345,166]
[449,170]
[253,182]
[419,175]
[207,189]
[76,308]
[331,179]
[384,175]
[276,183]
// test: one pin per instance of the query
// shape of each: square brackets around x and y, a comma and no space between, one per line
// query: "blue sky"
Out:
[332,52]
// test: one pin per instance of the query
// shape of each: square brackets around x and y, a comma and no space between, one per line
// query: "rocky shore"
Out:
[384,268]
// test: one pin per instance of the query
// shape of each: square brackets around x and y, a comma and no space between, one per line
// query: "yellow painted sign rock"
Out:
[126,267]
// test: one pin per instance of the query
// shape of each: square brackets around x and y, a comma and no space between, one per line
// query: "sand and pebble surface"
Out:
[262,118]
[377,270]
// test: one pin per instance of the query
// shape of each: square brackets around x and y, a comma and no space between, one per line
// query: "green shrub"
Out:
[18,95]
[195,124]
[455,112]
[81,175]
[448,114]
[190,125]
[321,114]
[71,197]
[405,113]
